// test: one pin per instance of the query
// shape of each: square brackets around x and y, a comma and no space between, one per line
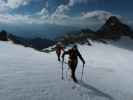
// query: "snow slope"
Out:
[26,74]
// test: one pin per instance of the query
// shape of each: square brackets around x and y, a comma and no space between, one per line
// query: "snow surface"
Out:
[26,74]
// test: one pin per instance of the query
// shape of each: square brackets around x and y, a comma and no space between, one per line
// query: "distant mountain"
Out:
[114,28]
[3,35]
[40,43]
[86,31]
[36,43]
[80,36]
[50,31]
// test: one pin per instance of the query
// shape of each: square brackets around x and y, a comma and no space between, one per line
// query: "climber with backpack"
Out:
[59,49]
[73,60]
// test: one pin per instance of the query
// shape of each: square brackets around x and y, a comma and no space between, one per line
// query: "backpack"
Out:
[73,54]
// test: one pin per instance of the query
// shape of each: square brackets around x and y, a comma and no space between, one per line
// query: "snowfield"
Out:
[26,74]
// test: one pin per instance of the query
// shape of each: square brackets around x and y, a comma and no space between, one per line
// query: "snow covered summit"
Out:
[26,74]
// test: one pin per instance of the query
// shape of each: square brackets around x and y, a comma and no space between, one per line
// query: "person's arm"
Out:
[81,58]
[66,52]
[62,48]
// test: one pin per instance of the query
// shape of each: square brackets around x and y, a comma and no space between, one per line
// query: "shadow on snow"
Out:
[95,91]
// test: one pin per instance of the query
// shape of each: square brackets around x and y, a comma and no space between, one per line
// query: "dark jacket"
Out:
[73,55]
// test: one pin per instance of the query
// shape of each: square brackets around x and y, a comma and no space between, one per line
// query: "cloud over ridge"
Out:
[62,15]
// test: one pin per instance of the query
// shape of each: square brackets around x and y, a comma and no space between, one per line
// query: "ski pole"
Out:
[62,69]
[82,72]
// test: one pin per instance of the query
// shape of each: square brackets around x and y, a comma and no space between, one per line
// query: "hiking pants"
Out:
[72,66]
[58,54]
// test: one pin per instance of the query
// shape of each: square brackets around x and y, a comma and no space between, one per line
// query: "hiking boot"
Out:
[74,79]
[58,59]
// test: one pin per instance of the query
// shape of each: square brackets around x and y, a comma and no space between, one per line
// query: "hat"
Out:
[75,46]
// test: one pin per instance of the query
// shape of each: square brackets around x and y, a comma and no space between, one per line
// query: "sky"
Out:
[31,18]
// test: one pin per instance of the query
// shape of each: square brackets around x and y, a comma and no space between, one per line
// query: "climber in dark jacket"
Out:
[73,60]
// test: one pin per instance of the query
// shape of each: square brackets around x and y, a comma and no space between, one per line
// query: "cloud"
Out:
[60,13]
[3,7]
[59,17]
[44,11]
[16,3]
[101,15]
[8,5]
[73,2]
[14,19]
[61,9]
[39,21]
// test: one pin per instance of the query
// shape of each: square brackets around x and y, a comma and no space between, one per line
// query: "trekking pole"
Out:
[82,72]
[62,77]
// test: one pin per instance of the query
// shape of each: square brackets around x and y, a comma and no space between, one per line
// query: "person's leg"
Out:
[69,65]
[73,72]
[58,55]
[73,69]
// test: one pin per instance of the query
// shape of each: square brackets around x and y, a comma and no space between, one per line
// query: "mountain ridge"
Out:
[112,29]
